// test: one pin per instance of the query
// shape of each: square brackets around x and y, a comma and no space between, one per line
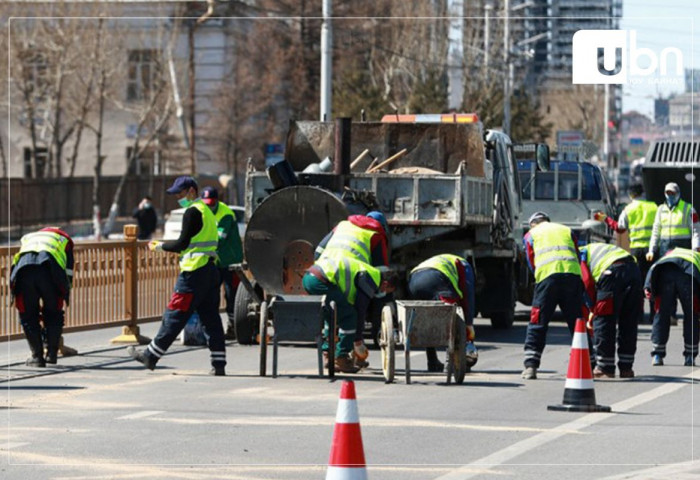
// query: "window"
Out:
[143,73]
[42,157]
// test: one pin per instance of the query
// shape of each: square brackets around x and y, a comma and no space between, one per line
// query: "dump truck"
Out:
[672,161]
[444,183]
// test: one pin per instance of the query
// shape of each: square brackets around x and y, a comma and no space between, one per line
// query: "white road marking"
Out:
[537,441]
[144,414]
[11,445]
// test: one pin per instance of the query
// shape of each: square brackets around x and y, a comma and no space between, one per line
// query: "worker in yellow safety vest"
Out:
[553,256]
[197,287]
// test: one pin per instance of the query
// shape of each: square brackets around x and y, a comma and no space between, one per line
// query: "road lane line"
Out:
[144,414]
[499,458]
[11,445]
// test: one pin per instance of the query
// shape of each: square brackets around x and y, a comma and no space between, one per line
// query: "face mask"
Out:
[671,200]
[147,205]
[184,202]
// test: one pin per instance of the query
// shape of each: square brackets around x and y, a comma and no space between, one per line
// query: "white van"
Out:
[173,224]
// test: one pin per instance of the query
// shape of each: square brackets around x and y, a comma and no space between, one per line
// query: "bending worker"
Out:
[229,250]
[612,279]
[675,277]
[197,286]
[364,238]
[351,284]
[450,279]
[40,280]
[553,256]
[638,219]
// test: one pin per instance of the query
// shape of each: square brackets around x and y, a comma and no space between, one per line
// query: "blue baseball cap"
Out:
[183,183]
[379,216]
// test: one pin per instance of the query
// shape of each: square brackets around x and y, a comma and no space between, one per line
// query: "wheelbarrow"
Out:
[422,324]
[296,318]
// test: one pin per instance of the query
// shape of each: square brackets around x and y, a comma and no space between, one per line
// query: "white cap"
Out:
[672,187]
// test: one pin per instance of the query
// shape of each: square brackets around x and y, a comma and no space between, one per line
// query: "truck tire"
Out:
[244,319]
[502,320]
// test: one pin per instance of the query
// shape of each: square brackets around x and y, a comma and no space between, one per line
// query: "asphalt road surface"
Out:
[100,415]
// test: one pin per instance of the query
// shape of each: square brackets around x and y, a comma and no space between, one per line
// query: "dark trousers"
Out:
[346,317]
[675,285]
[37,293]
[231,282]
[430,284]
[619,306]
[194,291]
[564,290]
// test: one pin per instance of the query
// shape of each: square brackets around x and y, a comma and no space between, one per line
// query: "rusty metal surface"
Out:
[283,232]
[425,323]
[440,146]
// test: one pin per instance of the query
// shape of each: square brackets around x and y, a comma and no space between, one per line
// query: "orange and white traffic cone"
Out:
[347,459]
[579,394]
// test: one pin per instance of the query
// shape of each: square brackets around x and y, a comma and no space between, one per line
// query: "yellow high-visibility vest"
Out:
[555,251]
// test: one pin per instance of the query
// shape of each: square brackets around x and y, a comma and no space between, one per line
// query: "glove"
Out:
[155,246]
[650,256]
[471,334]
[589,323]
[599,216]
[361,352]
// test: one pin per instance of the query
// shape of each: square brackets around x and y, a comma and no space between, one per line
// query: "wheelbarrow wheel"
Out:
[386,344]
[458,357]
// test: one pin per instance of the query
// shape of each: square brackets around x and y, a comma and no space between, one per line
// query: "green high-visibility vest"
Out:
[51,242]
[685,254]
[341,271]
[675,224]
[353,240]
[444,264]
[555,251]
[229,248]
[202,246]
[602,255]
[640,222]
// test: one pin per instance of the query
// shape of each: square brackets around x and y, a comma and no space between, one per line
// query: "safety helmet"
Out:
[538,217]
[379,216]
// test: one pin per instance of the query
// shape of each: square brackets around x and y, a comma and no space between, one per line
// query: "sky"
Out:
[660,24]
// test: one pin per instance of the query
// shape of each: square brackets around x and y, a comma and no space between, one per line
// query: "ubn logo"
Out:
[603,57]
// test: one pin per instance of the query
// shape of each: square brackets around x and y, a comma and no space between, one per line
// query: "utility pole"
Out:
[606,116]
[509,67]
[326,62]
[455,55]
[488,7]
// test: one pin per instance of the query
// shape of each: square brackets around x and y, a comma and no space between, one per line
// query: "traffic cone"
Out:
[347,460]
[579,395]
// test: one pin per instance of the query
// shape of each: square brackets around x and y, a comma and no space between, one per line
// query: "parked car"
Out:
[173,224]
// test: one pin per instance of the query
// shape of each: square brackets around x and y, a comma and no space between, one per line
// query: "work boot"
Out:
[230,333]
[435,365]
[600,373]
[657,361]
[629,373]
[359,355]
[218,371]
[345,364]
[141,357]
[530,373]
[689,361]
[35,361]
[51,357]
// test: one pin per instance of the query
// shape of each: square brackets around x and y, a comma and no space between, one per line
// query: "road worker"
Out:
[450,279]
[41,277]
[675,277]
[229,250]
[197,286]
[614,287]
[363,237]
[351,284]
[676,225]
[553,256]
[638,219]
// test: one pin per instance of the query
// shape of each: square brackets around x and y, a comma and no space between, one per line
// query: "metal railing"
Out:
[115,283]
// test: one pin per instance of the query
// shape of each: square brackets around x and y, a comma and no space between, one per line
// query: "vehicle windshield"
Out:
[568,182]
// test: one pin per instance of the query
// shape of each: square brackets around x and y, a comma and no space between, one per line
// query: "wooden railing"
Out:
[114,283]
